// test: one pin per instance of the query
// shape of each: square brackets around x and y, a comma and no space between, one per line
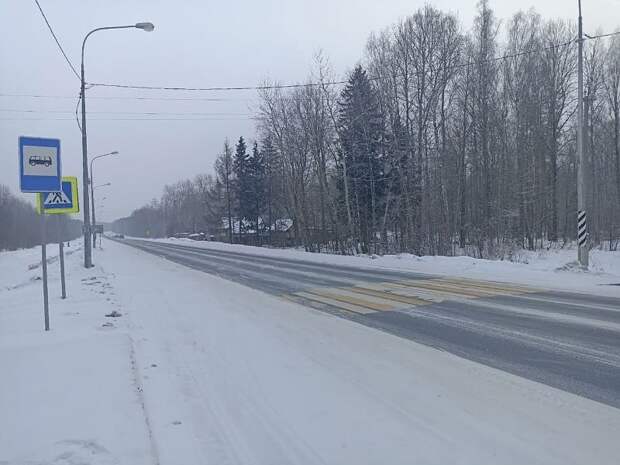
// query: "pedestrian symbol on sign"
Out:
[57,198]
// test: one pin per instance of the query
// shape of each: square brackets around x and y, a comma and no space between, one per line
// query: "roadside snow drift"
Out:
[551,269]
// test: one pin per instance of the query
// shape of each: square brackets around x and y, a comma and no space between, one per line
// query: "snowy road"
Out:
[565,340]
[196,369]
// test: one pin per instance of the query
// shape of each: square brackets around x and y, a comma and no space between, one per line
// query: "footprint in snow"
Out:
[71,451]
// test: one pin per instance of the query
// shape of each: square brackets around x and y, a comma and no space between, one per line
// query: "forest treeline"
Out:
[441,141]
[20,225]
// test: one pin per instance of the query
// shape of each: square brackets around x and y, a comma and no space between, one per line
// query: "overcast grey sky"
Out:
[197,43]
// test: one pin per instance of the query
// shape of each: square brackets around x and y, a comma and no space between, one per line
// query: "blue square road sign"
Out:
[39,164]
[63,201]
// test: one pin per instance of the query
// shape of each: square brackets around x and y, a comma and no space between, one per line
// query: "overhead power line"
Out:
[209,89]
[77,106]
[525,52]
[111,97]
[600,36]
[56,40]
[274,86]
[152,113]
[313,84]
[333,83]
[246,118]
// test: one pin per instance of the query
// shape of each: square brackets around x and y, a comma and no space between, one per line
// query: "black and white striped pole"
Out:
[582,236]
[582,227]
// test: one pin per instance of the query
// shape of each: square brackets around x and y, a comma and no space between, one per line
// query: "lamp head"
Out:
[148,27]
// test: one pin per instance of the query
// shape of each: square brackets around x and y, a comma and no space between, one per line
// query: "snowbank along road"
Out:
[566,340]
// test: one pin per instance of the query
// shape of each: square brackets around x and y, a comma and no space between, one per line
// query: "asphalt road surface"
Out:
[565,340]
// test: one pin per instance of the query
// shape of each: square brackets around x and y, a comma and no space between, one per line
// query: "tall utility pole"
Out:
[91,177]
[88,261]
[582,228]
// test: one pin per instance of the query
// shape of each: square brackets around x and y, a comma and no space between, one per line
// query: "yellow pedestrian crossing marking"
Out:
[490,285]
[434,294]
[437,285]
[365,298]
[391,296]
[334,303]
[341,295]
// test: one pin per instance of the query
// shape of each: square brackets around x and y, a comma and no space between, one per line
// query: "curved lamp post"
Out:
[92,197]
[91,181]
[148,27]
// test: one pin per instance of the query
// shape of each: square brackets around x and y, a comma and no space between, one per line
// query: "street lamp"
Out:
[148,27]
[92,190]
[88,262]
[101,208]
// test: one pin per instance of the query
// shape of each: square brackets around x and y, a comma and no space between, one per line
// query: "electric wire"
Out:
[49,26]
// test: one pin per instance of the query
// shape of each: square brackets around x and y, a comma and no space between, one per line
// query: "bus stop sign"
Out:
[39,164]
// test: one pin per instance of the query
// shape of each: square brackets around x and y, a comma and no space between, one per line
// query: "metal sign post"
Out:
[39,171]
[46,310]
[62,201]
[61,254]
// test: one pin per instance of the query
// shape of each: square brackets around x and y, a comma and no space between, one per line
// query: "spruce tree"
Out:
[362,137]
[256,182]
[242,182]
[270,164]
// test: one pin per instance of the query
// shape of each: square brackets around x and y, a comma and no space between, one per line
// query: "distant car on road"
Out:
[119,236]
[35,160]
[198,236]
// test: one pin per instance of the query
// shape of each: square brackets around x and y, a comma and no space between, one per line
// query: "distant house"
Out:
[281,232]
[282,225]
[243,230]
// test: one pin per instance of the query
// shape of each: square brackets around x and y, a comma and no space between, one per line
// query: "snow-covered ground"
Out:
[548,269]
[199,370]
[71,395]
